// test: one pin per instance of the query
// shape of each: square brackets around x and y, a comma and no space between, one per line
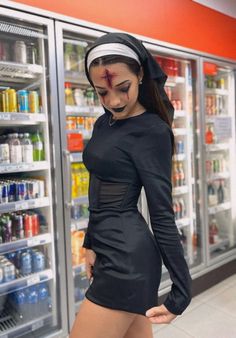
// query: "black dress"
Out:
[121,158]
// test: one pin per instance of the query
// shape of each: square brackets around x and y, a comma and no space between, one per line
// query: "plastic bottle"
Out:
[38,147]
[43,295]
[209,136]
[220,193]
[15,148]
[20,302]
[27,148]
[32,302]
[69,98]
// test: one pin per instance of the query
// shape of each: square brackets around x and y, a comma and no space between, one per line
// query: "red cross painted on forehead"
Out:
[108,76]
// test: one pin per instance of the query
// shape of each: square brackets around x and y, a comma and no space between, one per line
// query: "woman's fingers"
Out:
[160,315]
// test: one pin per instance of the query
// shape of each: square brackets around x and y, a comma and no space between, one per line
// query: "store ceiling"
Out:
[227,7]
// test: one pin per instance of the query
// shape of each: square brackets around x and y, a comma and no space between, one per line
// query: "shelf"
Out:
[179,157]
[11,328]
[218,208]
[76,77]
[79,224]
[212,118]
[25,243]
[179,113]
[76,157]
[216,91]
[80,200]
[78,269]
[21,118]
[22,167]
[87,111]
[221,244]
[25,281]
[85,134]
[183,222]
[218,176]
[217,147]
[180,131]
[24,205]
[11,70]
[173,80]
[180,190]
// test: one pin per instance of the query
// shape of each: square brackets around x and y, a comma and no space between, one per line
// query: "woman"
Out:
[131,147]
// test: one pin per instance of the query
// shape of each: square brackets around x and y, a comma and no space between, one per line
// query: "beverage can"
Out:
[12,99]
[41,188]
[20,52]
[28,225]
[33,102]
[4,193]
[12,191]
[23,101]
[18,222]
[9,271]
[1,275]
[5,101]
[21,191]
[38,261]
[35,225]
[26,263]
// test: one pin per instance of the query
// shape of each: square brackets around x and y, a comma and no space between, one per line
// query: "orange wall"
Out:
[182,22]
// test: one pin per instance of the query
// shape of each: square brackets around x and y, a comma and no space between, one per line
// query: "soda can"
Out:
[12,191]
[41,188]
[33,187]
[7,229]
[5,101]
[33,102]
[28,225]
[38,259]
[36,226]
[25,263]
[21,191]
[1,275]
[18,226]
[12,99]
[4,193]
[9,272]
[20,52]
[23,101]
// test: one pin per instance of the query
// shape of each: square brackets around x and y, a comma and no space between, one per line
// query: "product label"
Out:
[27,153]
[4,153]
[38,145]
[16,153]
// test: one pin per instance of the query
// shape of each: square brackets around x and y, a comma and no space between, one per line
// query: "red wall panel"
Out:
[182,22]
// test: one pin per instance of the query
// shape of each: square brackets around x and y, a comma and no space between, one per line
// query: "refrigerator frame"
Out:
[55,169]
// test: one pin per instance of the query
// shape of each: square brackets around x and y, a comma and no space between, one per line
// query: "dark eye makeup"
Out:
[122,90]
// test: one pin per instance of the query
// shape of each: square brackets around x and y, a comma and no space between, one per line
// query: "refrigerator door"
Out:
[30,210]
[182,89]
[79,109]
[219,158]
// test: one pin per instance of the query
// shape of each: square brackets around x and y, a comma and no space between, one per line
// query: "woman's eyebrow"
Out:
[119,84]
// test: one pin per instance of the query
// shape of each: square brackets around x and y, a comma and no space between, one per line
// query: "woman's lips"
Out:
[118,110]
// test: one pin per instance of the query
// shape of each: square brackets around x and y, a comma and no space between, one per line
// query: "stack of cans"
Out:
[7,270]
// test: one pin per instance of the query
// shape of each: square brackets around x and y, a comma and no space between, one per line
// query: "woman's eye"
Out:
[102,94]
[125,90]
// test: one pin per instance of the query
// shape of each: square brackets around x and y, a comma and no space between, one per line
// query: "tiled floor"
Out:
[212,314]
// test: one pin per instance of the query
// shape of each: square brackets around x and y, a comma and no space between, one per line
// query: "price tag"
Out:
[37,325]
[5,116]
[33,280]
[21,206]
[33,241]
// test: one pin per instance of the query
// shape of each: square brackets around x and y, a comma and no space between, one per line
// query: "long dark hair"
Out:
[149,95]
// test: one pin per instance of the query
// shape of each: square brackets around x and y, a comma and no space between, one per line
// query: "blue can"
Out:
[21,191]
[25,263]
[9,272]
[180,147]
[23,101]
[4,193]
[12,191]
[38,259]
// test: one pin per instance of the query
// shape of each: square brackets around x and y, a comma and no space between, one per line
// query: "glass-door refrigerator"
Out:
[218,158]
[31,301]
[182,90]
[79,109]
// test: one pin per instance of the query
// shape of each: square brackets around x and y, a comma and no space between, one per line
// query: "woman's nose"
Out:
[114,101]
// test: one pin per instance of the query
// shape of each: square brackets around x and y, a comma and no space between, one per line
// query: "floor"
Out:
[212,314]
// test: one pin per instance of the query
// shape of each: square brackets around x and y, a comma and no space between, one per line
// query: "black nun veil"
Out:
[150,66]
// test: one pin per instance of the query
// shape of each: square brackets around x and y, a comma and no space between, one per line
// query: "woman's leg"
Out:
[95,321]
[141,327]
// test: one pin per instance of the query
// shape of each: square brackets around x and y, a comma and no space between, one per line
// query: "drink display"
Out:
[21,101]
[80,180]
[178,176]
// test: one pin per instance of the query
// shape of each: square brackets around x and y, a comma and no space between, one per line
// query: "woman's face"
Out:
[118,88]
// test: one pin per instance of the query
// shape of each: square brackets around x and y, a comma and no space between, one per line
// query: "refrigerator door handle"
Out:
[68,188]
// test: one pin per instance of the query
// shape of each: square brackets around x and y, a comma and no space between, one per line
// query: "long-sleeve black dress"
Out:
[121,158]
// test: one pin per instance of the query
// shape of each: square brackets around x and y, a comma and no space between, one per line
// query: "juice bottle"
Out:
[209,136]
[69,98]
[38,146]
[74,187]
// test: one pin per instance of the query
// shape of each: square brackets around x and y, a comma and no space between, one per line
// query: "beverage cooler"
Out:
[218,158]
[30,285]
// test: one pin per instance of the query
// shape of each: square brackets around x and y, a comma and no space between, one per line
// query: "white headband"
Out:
[111,49]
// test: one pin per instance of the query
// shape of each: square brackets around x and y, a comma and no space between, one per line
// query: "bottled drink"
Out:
[20,304]
[32,53]
[213,232]
[38,147]
[209,136]
[175,176]
[27,148]
[182,208]
[43,295]
[220,192]
[32,302]
[212,196]
[79,97]
[69,98]
[15,148]
[80,56]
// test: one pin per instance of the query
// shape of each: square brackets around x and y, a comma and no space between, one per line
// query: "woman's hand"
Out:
[160,315]
[90,258]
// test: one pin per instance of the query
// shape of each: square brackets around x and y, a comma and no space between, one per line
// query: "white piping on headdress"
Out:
[111,49]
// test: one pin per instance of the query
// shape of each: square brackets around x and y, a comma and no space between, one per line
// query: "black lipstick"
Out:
[118,110]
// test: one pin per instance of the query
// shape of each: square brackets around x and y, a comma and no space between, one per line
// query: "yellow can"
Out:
[12,100]
[33,102]
[5,101]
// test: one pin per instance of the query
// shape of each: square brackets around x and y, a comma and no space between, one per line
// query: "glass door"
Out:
[30,300]
[79,109]
[219,151]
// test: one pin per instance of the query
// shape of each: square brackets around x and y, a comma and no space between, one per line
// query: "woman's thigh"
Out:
[141,327]
[95,321]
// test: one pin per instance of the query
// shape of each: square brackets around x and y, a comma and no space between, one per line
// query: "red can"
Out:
[28,225]
[36,227]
